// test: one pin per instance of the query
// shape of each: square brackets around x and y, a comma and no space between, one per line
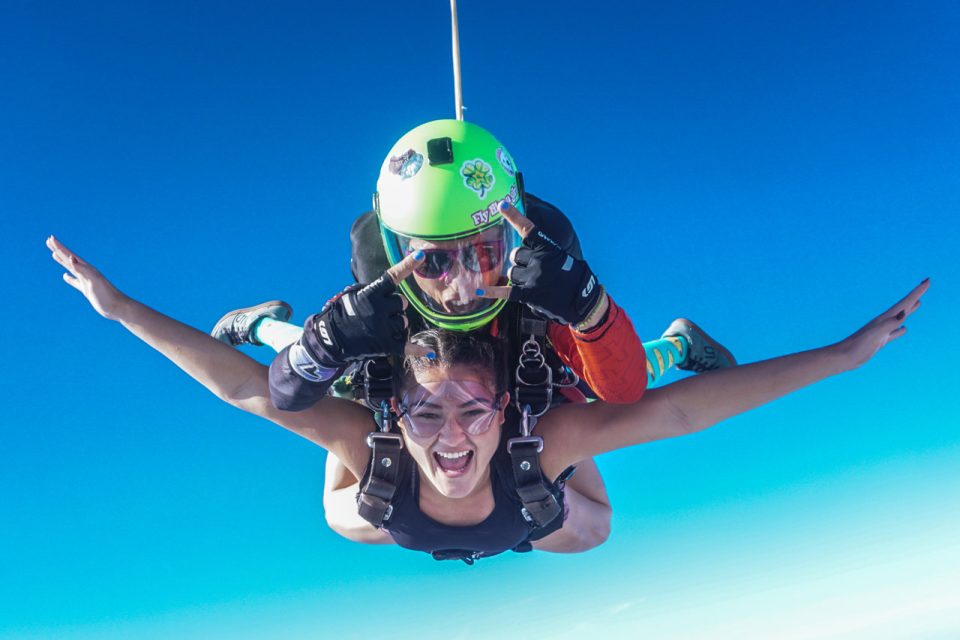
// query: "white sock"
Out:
[276,334]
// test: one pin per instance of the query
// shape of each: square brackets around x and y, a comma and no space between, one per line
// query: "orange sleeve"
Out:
[610,357]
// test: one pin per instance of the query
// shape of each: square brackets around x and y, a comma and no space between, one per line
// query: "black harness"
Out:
[533,396]
[533,393]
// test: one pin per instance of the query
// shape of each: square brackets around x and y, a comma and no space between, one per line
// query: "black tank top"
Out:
[504,529]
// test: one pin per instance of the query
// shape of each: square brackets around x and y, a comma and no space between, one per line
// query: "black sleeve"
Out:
[554,223]
[289,391]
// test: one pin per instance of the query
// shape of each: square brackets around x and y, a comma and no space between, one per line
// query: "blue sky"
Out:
[779,172]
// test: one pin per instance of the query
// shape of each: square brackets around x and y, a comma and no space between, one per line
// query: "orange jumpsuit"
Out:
[610,357]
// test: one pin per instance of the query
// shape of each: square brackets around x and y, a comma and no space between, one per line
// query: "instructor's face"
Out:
[453,270]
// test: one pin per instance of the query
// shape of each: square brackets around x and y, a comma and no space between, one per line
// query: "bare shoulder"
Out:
[563,429]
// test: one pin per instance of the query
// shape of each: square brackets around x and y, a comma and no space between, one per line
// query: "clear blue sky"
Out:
[779,172]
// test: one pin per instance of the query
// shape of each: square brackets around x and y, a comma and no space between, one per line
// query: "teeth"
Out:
[452,456]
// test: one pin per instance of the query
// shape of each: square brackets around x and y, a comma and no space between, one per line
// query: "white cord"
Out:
[457,89]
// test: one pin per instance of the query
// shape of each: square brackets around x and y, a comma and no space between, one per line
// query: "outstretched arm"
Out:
[229,374]
[696,403]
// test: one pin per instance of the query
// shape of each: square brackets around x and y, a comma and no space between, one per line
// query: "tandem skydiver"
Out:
[454,496]
[449,190]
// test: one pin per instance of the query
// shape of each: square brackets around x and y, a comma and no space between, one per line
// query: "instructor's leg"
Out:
[265,323]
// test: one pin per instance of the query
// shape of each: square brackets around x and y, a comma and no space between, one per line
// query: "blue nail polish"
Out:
[431,355]
[418,255]
[504,205]
[480,292]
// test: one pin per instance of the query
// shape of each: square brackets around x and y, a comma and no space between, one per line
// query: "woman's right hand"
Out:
[84,277]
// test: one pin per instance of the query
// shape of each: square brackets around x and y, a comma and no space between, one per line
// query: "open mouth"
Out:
[453,464]
[456,307]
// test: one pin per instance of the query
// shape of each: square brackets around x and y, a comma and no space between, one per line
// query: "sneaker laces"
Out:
[238,329]
[705,360]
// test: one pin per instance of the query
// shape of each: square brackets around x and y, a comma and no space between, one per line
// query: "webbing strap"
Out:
[540,506]
[375,497]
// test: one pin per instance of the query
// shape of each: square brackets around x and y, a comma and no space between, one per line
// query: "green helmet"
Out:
[439,191]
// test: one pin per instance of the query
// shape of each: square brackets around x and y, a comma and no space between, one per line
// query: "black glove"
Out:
[360,323]
[551,281]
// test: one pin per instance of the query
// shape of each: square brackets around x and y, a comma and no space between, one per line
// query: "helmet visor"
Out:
[447,280]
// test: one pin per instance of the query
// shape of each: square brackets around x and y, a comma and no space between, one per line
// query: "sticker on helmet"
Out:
[477,176]
[483,216]
[506,162]
[407,164]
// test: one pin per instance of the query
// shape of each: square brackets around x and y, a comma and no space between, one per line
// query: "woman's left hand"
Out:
[885,328]
[84,277]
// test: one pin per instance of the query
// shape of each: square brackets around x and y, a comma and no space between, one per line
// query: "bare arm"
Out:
[587,513]
[694,404]
[230,375]
[340,489]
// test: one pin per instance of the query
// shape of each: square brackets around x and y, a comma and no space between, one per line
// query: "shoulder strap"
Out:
[517,464]
[375,498]
[540,505]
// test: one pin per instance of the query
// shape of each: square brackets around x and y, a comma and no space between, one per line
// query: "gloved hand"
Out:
[547,278]
[362,322]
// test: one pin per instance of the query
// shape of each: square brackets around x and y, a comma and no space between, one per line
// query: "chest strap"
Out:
[374,501]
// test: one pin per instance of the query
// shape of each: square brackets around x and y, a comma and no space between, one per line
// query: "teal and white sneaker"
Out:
[236,327]
[702,353]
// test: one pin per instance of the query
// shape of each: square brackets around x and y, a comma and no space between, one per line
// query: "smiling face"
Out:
[451,427]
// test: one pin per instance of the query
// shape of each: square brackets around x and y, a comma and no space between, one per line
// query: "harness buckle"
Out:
[373,509]
[537,440]
[379,436]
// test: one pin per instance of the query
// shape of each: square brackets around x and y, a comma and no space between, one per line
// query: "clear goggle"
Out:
[426,408]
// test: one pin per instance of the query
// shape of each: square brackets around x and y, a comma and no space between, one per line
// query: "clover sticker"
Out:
[478,176]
